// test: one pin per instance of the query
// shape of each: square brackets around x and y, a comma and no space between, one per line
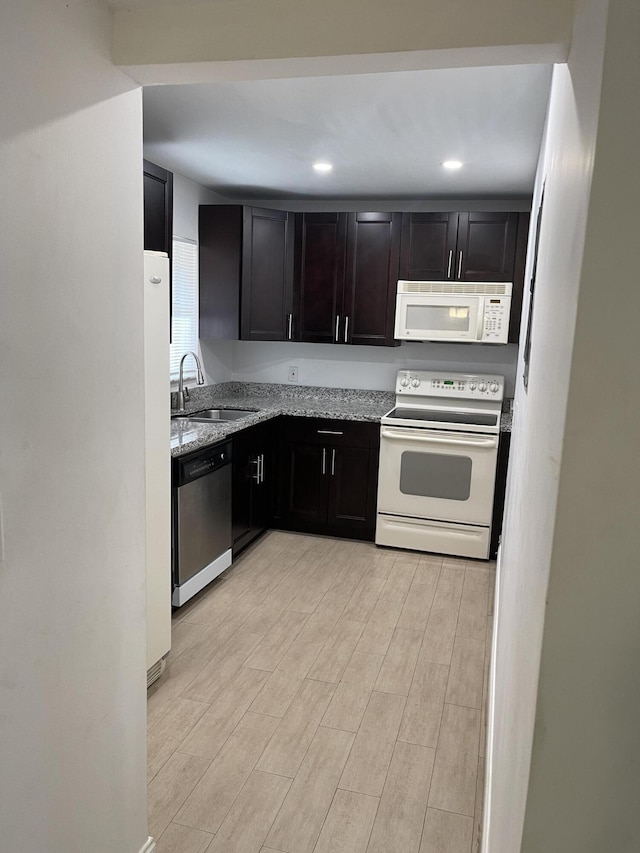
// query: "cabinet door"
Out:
[428,246]
[253,483]
[486,246]
[305,484]
[267,274]
[158,208]
[220,253]
[245,472]
[320,257]
[373,248]
[352,489]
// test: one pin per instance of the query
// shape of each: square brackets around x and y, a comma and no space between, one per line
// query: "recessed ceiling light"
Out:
[452,164]
[322,167]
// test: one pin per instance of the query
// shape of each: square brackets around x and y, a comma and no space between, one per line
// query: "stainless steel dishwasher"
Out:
[201,520]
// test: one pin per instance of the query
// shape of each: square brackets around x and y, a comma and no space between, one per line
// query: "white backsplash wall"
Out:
[345,366]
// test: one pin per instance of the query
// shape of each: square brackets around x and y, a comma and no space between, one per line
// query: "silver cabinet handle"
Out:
[449,264]
[460,264]
[324,461]
[256,476]
[261,468]
[330,432]
[333,461]
[290,325]
[337,328]
[346,329]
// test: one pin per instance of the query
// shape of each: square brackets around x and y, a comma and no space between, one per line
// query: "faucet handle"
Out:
[186,393]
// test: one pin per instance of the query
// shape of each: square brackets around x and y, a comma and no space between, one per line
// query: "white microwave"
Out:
[453,311]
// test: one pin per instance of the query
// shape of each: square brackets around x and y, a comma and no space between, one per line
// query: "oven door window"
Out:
[435,475]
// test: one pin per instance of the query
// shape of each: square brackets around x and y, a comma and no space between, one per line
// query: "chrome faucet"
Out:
[183,392]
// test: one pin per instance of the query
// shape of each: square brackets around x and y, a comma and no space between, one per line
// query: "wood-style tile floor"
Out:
[325,696]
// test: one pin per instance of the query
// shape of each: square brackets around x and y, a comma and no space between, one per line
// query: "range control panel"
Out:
[467,386]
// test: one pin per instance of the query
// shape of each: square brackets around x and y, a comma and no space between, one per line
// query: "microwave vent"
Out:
[461,288]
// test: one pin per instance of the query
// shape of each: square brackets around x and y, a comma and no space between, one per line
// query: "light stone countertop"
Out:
[269,401]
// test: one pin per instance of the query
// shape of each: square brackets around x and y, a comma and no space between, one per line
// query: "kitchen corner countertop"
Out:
[269,401]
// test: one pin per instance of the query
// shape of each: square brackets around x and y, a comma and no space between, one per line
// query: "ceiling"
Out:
[385,134]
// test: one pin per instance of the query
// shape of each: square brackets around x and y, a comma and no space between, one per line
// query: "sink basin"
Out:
[217,415]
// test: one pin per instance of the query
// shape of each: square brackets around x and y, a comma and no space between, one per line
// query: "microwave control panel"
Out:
[495,326]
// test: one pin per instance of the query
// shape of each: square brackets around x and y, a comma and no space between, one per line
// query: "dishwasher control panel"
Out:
[204,463]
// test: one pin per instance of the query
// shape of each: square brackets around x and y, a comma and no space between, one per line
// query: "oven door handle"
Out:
[418,435]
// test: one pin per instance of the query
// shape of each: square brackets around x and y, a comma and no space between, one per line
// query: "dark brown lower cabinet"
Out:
[254,481]
[329,477]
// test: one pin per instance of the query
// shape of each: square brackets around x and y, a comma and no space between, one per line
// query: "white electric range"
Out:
[438,454]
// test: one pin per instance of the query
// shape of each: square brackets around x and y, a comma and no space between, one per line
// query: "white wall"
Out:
[187,195]
[196,32]
[72,583]
[337,366]
[584,787]
[568,580]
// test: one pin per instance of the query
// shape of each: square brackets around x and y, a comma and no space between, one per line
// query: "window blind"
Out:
[184,319]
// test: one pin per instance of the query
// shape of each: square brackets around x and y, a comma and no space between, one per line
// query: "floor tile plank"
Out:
[449,589]
[165,735]
[348,825]
[399,664]
[417,606]
[285,681]
[453,787]
[272,647]
[466,674]
[352,695]
[437,645]
[305,808]
[211,681]
[209,802]
[336,654]
[364,599]
[425,703]
[368,763]
[398,582]
[400,818]
[170,788]
[446,832]
[379,629]
[289,744]
[208,735]
[183,839]
[246,826]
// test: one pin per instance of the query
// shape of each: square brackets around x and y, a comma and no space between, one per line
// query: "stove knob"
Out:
[404,381]
[415,383]
[493,387]
[482,386]
[472,386]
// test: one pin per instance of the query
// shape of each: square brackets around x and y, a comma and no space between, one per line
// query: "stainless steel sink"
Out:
[216,415]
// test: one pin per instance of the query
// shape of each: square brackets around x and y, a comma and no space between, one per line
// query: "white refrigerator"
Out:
[157,460]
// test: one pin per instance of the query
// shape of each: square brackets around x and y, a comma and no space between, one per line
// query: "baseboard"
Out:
[149,846]
[491,699]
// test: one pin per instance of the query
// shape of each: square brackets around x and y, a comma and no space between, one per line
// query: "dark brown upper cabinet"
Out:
[158,208]
[246,273]
[458,246]
[321,246]
[346,272]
